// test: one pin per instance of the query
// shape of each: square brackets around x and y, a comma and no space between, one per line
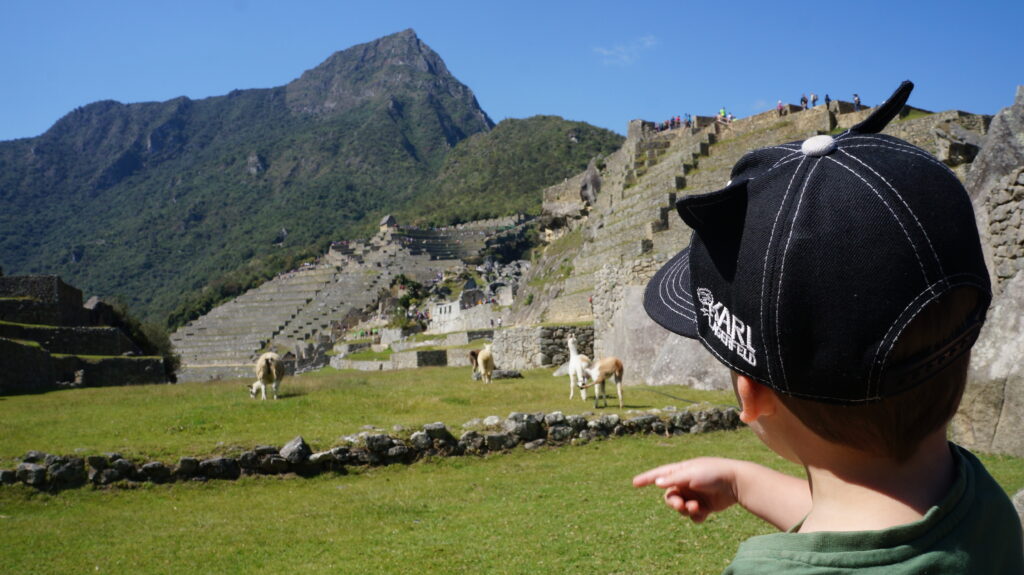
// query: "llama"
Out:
[485,363]
[269,370]
[473,353]
[577,364]
[608,366]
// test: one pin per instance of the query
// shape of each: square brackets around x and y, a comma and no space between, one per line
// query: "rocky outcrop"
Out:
[1003,150]
[991,415]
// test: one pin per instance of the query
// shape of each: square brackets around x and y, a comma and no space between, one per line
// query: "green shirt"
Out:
[974,529]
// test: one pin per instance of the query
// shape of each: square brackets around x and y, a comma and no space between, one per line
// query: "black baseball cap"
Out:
[805,269]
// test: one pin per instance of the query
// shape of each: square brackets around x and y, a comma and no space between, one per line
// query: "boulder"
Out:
[66,473]
[296,450]
[525,426]
[31,474]
[156,472]
[186,469]
[273,464]
[991,414]
[1003,148]
[220,468]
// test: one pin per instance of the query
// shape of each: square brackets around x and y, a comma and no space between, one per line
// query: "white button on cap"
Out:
[818,146]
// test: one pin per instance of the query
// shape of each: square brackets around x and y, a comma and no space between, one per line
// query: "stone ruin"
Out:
[50,340]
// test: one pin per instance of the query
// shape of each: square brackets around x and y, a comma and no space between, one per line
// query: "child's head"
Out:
[844,273]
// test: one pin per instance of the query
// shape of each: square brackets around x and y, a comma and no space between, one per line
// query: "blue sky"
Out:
[599,62]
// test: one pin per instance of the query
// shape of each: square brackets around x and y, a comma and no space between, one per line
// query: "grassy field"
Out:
[557,510]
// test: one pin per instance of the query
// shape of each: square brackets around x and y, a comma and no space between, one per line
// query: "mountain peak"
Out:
[379,68]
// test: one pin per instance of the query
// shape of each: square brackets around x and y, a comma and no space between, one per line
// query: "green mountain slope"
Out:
[164,204]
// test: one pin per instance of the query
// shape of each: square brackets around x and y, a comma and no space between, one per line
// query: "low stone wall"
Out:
[480,437]
[110,371]
[413,359]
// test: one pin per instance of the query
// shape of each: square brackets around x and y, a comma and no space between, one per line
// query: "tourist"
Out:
[856,103]
[778,108]
[803,101]
[814,99]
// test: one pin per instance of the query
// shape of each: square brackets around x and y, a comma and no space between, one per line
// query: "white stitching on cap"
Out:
[764,273]
[677,304]
[782,270]
[899,147]
[875,363]
[904,202]
[920,262]
[785,160]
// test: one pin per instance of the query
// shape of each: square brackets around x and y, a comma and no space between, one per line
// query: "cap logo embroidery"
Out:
[733,332]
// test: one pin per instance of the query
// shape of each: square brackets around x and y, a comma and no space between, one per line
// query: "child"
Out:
[842,282]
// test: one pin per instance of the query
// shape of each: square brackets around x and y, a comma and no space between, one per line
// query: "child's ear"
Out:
[756,400]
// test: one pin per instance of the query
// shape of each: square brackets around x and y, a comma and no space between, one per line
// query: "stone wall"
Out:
[1003,208]
[74,340]
[50,290]
[27,369]
[54,473]
[532,347]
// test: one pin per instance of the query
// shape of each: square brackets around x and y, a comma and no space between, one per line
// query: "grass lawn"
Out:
[554,510]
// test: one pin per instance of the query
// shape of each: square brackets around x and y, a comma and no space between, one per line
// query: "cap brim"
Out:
[669,299]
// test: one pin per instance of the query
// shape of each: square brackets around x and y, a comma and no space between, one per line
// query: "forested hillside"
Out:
[152,203]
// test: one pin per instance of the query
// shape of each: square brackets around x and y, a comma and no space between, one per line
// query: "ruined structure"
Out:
[49,340]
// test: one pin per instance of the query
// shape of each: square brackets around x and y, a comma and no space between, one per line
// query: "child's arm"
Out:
[698,487]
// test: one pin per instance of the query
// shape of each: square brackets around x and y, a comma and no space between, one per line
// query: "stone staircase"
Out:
[302,305]
[634,217]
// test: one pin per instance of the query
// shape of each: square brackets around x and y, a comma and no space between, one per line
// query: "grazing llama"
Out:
[473,353]
[577,364]
[608,366]
[269,370]
[485,363]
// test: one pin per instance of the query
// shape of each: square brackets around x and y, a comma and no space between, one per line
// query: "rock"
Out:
[124,468]
[525,426]
[34,457]
[682,422]
[31,474]
[156,472]
[186,469]
[533,444]
[296,450]
[273,464]
[560,433]
[438,431]
[421,441]
[555,418]
[97,462]
[8,476]
[492,421]
[66,473]
[220,468]
[104,476]
[249,461]
[506,374]
[577,422]
[472,442]
[378,443]
[265,450]
[499,441]
[1003,149]
[991,413]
